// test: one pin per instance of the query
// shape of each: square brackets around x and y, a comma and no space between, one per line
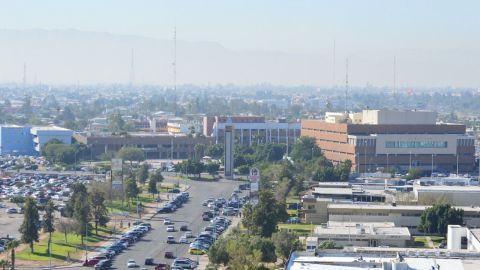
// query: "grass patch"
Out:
[62,250]
[421,241]
[301,229]
[118,206]
[292,213]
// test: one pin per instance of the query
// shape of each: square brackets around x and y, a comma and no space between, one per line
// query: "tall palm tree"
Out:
[12,245]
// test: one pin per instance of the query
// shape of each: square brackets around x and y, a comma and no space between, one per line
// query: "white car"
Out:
[183,240]
[167,222]
[132,264]
[170,228]
[189,235]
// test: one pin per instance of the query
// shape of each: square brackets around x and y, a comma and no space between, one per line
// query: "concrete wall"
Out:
[398,117]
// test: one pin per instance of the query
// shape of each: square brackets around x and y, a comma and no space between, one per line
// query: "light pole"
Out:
[457,164]
[431,174]
[387,161]
[410,162]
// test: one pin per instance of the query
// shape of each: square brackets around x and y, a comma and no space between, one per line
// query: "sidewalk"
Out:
[203,260]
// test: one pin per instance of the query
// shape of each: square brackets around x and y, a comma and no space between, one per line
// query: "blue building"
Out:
[25,140]
[16,140]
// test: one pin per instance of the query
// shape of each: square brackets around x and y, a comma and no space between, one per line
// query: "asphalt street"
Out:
[154,243]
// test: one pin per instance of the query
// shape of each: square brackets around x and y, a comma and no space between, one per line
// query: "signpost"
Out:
[254,178]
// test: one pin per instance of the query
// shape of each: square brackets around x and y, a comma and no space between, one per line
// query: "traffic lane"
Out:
[154,243]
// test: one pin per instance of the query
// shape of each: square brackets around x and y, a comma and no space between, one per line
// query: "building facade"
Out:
[249,130]
[377,139]
[25,140]
[155,146]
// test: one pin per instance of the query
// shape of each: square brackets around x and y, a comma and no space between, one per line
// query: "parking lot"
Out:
[9,223]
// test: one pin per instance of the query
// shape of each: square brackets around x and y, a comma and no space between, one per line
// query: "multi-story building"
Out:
[16,140]
[375,139]
[252,129]
[155,146]
[20,140]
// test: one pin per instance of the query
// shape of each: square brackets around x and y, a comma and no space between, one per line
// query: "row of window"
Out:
[465,142]
[416,144]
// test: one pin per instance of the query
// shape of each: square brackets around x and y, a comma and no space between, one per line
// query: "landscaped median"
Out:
[64,250]
[299,228]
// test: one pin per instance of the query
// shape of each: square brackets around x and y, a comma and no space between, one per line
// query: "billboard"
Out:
[117,173]
[254,178]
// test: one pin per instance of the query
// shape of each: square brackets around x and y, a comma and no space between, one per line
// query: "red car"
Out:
[91,262]
[162,266]
[169,255]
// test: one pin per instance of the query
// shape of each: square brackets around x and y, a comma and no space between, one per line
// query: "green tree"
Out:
[327,244]
[31,222]
[217,253]
[267,248]
[152,186]
[12,245]
[59,153]
[79,192]
[98,208]
[266,215]
[436,219]
[48,222]
[116,123]
[142,173]
[81,214]
[285,243]
[131,190]
[212,168]
[131,154]
[199,150]
[214,151]
[157,175]
[4,264]
[305,148]
[414,173]
[243,170]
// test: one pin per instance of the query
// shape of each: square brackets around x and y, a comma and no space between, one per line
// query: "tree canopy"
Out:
[31,223]
[436,219]
[305,148]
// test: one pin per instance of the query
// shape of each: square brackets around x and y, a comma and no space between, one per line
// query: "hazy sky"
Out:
[442,36]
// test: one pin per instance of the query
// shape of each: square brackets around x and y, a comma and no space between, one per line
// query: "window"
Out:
[416,144]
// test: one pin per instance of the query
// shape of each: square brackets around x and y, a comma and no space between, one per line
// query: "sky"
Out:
[439,38]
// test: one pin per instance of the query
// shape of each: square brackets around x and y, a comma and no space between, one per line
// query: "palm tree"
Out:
[12,245]
[4,264]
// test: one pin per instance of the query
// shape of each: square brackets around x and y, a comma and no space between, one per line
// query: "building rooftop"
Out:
[445,188]
[333,191]
[364,231]
[357,206]
[49,128]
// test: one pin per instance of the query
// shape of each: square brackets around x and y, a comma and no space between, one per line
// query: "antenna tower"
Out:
[346,86]
[394,77]
[333,73]
[24,75]
[132,68]
[174,64]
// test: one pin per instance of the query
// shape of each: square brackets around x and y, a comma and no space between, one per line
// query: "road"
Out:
[154,243]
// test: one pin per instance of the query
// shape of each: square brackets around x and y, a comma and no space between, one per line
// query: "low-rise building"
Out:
[454,195]
[252,129]
[154,145]
[367,234]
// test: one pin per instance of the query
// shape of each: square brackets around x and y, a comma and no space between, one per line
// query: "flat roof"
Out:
[333,191]
[57,128]
[354,224]
[354,206]
[444,188]
[399,233]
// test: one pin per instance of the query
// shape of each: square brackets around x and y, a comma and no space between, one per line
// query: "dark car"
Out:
[184,228]
[165,209]
[149,261]
[169,255]
[162,266]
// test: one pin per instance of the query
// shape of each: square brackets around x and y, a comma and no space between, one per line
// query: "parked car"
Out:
[184,228]
[170,240]
[149,261]
[170,228]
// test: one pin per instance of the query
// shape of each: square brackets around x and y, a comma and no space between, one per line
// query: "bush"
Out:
[244,169]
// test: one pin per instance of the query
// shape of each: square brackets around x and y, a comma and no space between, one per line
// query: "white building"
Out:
[367,234]
[42,135]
